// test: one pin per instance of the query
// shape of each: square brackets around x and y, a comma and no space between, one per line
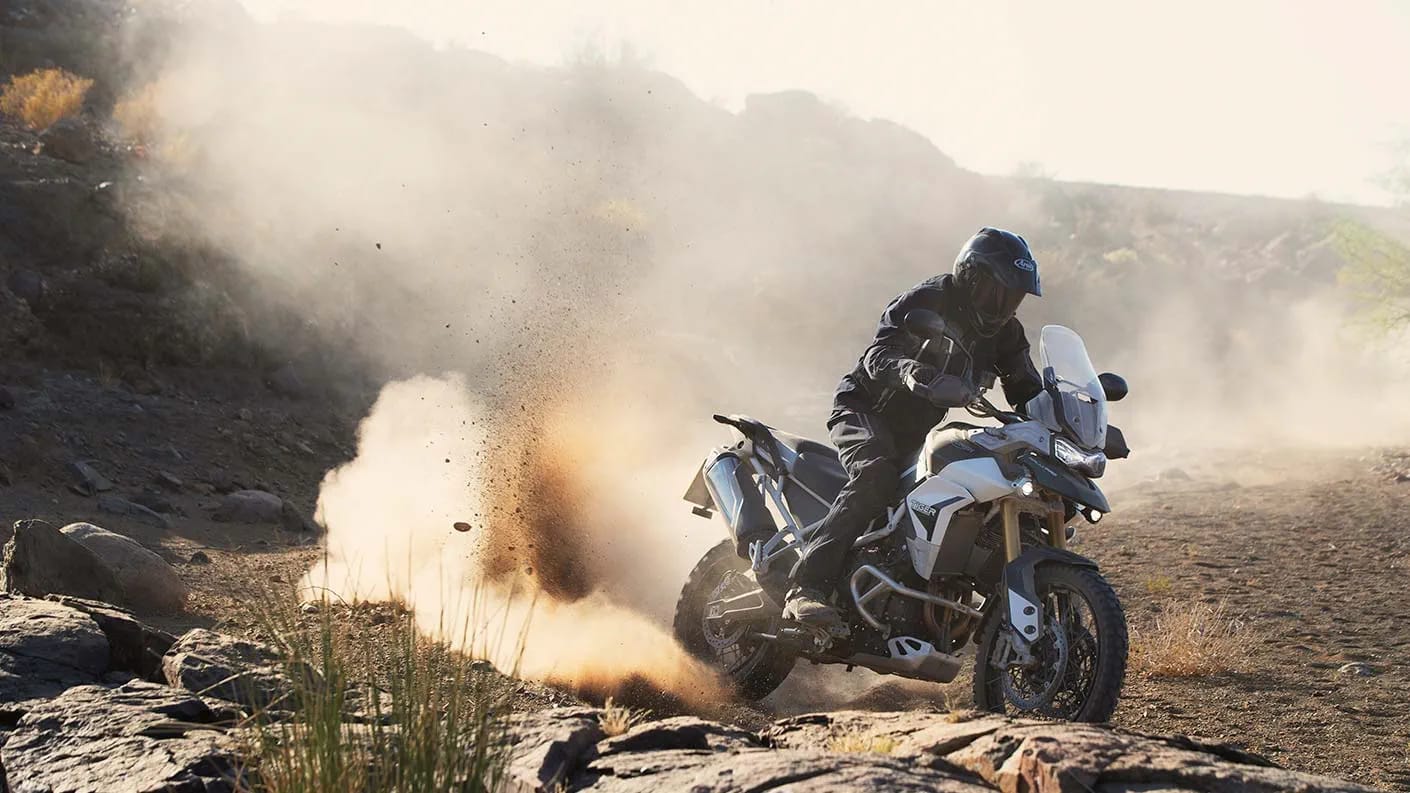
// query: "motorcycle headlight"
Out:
[1092,464]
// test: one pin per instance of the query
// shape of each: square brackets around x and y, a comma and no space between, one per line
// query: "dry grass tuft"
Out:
[858,741]
[1158,585]
[1190,640]
[617,719]
[44,96]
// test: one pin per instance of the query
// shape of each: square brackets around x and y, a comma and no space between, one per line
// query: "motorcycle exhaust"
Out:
[741,504]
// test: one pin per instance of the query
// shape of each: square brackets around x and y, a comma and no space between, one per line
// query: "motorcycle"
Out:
[974,549]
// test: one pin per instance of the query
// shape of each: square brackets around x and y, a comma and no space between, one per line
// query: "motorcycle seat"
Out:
[813,463]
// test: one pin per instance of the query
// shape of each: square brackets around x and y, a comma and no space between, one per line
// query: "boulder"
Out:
[250,506]
[40,560]
[46,648]
[69,139]
[241,671]
[146,580]
[137,736]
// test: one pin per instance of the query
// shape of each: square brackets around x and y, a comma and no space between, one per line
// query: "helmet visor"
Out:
[994,302]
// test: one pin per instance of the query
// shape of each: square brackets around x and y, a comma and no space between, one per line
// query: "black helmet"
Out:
[996,270]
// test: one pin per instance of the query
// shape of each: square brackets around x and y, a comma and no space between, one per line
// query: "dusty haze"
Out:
[560,273]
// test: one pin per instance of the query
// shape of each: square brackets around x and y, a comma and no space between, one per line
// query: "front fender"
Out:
[1024,609]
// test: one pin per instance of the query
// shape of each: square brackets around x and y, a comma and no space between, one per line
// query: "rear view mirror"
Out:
[1114,385]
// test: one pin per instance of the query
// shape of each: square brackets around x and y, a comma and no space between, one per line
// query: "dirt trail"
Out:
[1316,564]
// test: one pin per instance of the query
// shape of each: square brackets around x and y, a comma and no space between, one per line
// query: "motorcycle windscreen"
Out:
[1081,402]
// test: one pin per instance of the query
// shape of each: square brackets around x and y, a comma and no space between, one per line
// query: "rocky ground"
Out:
[1307,550]
[94,700]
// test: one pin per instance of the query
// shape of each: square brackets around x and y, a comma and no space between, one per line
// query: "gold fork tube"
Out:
[1013,541]
[1057,529]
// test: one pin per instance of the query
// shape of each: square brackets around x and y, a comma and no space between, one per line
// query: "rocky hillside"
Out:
[94,700]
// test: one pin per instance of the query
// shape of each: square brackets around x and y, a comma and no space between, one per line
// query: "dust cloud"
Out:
[554,275]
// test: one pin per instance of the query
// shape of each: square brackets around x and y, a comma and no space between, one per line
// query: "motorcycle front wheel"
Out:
[1079,664]
[754,667]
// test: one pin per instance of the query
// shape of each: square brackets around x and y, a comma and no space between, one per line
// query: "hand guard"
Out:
[941,390]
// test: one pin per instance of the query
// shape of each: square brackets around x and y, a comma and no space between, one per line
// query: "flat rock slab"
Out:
[1055,757]
[47,631]
[795,770]
[133,738]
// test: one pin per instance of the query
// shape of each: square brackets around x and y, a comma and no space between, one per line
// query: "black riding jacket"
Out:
[875,386]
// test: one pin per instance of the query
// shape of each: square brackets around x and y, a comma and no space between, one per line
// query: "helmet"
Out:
[996,270]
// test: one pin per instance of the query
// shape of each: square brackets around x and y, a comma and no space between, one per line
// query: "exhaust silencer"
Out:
[740,501]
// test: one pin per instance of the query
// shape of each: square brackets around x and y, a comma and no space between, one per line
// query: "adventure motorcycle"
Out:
[974,549]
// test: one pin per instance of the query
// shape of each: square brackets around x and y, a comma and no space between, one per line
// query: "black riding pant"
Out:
[868,451]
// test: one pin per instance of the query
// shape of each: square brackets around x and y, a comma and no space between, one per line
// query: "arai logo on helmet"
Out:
[1027,265]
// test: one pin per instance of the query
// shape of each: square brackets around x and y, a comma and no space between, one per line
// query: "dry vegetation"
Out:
[617,719]
[859,741]
[1189,640]
[43,97]
[136,114]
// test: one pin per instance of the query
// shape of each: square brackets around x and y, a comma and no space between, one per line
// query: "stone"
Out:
[239,670]
[249,506]
[40,560]
[548,746]
[132,646]
[1358,668]
[168,480]
[7,398]
[200,557]
[146,580]
[137,736]
[69,139]
[114,505]
[87,480]
[45,649]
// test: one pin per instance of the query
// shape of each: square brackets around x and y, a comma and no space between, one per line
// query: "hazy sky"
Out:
[1280,98]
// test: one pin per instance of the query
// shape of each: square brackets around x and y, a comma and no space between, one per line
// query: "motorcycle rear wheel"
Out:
[1095,644]
[754,667]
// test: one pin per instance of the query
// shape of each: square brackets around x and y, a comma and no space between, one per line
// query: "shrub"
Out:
[136,114]
[388,711]
[42,97]
[1377,271]
[1189,640]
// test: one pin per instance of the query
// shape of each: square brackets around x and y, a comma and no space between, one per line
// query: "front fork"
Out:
[1025,611]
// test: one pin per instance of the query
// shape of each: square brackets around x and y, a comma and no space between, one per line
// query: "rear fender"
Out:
[1025,611]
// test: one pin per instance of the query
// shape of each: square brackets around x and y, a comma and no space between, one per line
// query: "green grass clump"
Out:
[388,710]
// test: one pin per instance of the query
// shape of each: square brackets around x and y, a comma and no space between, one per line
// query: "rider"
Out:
[885,406]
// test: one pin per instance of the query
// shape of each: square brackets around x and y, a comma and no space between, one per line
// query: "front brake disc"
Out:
[1053,671]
